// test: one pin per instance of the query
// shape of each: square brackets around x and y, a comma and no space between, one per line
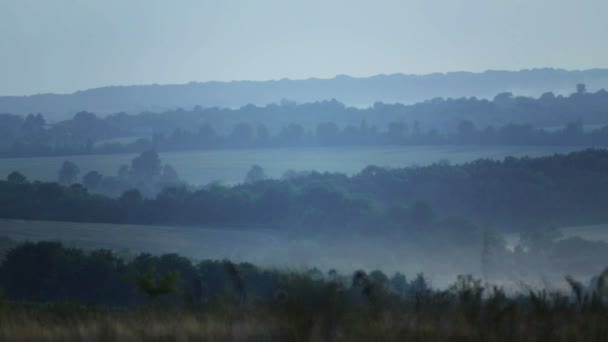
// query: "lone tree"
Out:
[68,173]
[146,167]
[255,174]
[16,178]
[581,88]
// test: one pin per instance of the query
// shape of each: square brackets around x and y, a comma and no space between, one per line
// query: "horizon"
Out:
[480,72]
[65,46]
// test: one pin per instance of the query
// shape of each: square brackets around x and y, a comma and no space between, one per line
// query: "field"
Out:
[264,247]
[230,166]
[497,319]
[277,248]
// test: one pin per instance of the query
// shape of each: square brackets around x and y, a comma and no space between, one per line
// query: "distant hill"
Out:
[349,90]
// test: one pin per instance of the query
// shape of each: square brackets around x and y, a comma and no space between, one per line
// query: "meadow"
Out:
[435,319]
[230,166]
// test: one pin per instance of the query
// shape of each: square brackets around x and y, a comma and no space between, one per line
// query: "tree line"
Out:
[105,278]
[49,289]
[146,173]
[108,278]
[507,119]
[50,272]
[515,192]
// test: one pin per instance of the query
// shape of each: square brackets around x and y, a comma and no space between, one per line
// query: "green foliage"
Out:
[154,286]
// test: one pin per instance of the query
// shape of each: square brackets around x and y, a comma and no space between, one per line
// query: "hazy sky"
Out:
[63,45]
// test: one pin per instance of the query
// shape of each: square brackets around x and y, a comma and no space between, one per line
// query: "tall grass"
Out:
[307,309]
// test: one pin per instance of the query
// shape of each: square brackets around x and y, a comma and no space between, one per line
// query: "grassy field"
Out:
[460,315]
[169,326]
[230,166]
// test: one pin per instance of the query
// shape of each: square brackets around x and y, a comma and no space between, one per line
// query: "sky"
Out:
[62,46]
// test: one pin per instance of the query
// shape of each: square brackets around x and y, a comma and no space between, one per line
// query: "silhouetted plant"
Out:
[237,281]
[154,286]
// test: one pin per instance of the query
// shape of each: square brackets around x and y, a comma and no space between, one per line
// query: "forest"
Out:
[574,120]
[570,189]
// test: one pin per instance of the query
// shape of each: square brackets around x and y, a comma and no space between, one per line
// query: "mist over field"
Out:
[278,249]
[417,170]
